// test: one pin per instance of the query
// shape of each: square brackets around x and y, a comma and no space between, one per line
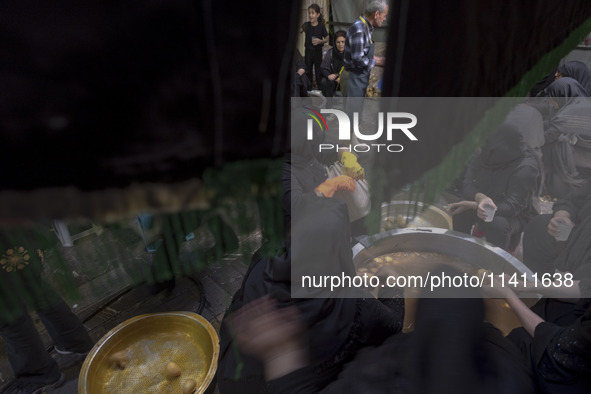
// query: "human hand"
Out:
[481,210]
[301,71]
[351,166]
[330,186]
[380,60]
[274,336]
[332,77]
[459,207]
[557,221]
[316,41]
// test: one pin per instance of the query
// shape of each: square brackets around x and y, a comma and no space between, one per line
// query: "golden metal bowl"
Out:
[152,341]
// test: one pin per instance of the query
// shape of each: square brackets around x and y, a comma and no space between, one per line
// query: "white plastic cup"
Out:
[564,229]
[489,212]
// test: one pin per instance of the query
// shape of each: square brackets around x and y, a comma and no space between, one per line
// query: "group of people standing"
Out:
[347,65]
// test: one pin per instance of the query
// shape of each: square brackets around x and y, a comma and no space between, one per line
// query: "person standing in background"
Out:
[316,37]
[359,54]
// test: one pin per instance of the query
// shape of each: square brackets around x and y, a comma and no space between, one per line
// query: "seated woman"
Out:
[575,69]
[578,71]
[555,337]
[542,250]
[566,151]
[300,83]
[503,177]
[332,64]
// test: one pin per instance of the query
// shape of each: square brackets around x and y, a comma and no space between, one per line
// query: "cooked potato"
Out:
[173,370]
[401,221]
[189,386]
[120,359]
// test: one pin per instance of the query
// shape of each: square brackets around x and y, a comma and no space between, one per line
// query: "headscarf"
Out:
[539,87]
[338,60]
[579,71]
[504,148]
[504,157]
[571,121]
[565,90]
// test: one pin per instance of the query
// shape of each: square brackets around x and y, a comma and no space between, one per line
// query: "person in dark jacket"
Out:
[337,327]
[577,70]
[332,65]
[301,83]
[555,336]
[503,178]
[544,253]
[567,137]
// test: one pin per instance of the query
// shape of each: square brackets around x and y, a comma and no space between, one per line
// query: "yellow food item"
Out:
[189,386]
[120,359]
[401,221]
[173,370]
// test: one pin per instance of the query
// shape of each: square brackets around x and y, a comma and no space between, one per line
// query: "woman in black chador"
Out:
[503,177]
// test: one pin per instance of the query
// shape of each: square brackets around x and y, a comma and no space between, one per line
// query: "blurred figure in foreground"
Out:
[22,286]
[450,351]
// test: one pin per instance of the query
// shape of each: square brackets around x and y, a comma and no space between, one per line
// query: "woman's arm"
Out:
[528,319]
[522,186]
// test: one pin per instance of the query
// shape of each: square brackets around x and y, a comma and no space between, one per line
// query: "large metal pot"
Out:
[430,239]
[467,248]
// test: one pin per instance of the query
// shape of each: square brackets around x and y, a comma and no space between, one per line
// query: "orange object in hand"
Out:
[331,185]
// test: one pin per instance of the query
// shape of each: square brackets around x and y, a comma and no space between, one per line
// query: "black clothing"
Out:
[577,70]
[508,172]
[564,91]
[336,327]
[318,31]
[301,84]
[542,84]
[542,253]
[576,256]
[540,249]
[572,122]
[450,350]
[304,168]
[313,53]
[560,351]
[332,63]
